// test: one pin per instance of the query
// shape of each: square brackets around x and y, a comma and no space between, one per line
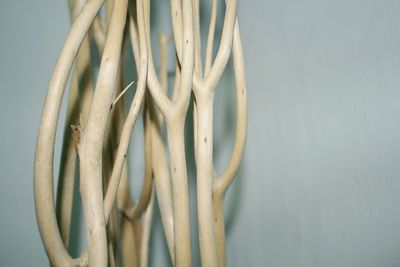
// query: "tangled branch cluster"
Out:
[101,132]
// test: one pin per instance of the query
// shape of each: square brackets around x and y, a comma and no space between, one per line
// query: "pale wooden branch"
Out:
[99,33]
[154,85]
[174,114]
[218,208]
[131,118]
[111,257]
[134,212]
[66,182]
[128,230]
[176,17]
[210,39]
[43,184]
[108,13]
[145,242]
[187,64]
[204,166]
[222,183]
[198,66]
[224,50]
[128,244]
[161,173]
[163,41]
[134,38]
[225,179]
[78,102]
[204,92]
[177,85]
[162,181]
[92,139]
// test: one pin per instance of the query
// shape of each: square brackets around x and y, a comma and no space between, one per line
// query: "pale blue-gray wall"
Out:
[319,184]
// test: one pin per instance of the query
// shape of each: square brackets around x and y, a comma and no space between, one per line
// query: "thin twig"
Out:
[121,94]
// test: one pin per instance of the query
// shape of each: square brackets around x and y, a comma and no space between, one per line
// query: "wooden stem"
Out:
[93,136]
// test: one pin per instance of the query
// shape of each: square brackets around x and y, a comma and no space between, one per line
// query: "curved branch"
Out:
[224,180]
[216,70]
[134,37]
[134,212]
[43,181]
[225,46]
[157,92]
[99,34]
[80,96]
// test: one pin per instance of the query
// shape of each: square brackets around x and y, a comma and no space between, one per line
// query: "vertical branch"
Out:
[180,194]
[176,16]
[203,123]
[218,207]
[134,212]
[162,180]
[66,179]
[210,39]
[131,117]
[154,85]
[43,183]
[129,230]
[161,173]
[128,245]
[92,140]
[222,182]
[198,69]
[225,46]
[145,242]
[176,143]
[216,70]
[163,41]
[111,257]
[175,113]
[99,34]
[111,142]
[79,99]
[204,166]
[177,85]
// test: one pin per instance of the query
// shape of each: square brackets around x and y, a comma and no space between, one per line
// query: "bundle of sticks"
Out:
[100,120]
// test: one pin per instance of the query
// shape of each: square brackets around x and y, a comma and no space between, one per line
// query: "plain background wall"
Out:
[319,184]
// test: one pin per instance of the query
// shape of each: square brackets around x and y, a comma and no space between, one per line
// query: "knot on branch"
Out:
[76,136]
